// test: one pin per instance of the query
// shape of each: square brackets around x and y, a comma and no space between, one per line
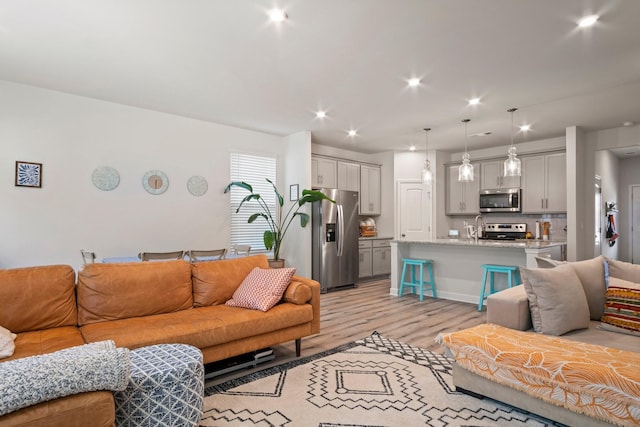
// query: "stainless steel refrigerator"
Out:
[335,240]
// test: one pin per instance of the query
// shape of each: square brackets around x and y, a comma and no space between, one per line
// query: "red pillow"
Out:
[262,288]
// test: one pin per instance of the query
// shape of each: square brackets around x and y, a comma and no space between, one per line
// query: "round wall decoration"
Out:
[155,182]
[197,185]
[105,178]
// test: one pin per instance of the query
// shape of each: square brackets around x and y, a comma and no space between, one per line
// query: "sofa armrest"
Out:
[510,308]
[315,300]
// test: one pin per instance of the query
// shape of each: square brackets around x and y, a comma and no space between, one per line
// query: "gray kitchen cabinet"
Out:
[462,198]
[381,257]
[364,252]
[348,176]
[375,257]
[544,183]
[324,172]
[369,190]
[491,176]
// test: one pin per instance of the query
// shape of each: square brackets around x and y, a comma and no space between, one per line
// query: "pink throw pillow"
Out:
[262,288]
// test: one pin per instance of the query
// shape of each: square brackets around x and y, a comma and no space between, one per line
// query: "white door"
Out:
[635,224]
[414,211]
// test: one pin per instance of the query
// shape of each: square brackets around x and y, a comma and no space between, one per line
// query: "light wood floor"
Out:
[349,314]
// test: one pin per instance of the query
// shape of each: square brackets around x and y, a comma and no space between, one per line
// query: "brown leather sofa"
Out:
[140,304]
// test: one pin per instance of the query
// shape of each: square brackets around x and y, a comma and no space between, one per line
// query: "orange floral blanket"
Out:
[601,382]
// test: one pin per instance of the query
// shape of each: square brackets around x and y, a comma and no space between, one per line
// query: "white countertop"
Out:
[523,244]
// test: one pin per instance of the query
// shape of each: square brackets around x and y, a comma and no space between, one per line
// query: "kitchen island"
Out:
[457,262]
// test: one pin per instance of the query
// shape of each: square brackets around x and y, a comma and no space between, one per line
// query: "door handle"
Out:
[403,235]
[340,230]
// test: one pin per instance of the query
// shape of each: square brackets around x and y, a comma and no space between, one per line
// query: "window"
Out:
[253,170]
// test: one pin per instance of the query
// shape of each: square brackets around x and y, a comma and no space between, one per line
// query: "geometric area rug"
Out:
[374,381]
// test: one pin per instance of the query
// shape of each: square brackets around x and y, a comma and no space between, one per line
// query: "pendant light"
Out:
[512,166]
[427,175]
[465,171]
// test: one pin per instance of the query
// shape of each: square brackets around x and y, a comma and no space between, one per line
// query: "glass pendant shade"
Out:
[465,171]
[427,175]
[512,166]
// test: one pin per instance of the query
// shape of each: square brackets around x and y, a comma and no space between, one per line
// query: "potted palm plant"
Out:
[277,223]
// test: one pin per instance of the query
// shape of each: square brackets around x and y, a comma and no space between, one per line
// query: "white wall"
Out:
[72,136]
[297,152]
[620,137]
[608,167]
[629,175]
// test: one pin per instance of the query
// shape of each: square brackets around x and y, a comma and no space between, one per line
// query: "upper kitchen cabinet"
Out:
[462,197]
[544,183]
[324,172]
[491,176]
[369,190]
[348,176]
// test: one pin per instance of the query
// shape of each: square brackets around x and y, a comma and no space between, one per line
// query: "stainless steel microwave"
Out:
[501,200]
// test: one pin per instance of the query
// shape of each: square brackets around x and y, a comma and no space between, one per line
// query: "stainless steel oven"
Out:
[501,200]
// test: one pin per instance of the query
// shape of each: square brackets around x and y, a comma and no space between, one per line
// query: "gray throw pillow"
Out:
[548,262]
[623,270]
[591,275]
[556,299]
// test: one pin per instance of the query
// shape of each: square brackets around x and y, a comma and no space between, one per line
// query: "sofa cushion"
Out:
[51,300]
[556,299]
[262,288]
[31,380]
[622,307]
[94,408]
[34,343]
[214,282]
[622,270]
[201,327]
[119,291]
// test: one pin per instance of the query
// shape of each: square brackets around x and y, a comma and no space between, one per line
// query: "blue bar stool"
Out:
[412,264]
[513,278]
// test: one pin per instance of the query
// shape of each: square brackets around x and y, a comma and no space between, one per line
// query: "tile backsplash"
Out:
[558,222]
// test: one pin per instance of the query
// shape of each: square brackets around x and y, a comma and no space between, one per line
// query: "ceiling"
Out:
[223,61]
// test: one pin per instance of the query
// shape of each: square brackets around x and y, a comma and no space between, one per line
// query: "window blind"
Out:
[253,170]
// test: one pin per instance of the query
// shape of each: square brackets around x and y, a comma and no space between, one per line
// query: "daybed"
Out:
[590,375]
[140,304]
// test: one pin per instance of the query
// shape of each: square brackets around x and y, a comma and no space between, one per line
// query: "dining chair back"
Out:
[160,256]
[88,257]
[196,256]
[241,249]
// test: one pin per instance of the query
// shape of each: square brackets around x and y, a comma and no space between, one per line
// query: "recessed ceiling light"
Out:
[525,128]
[412,148]
[588,21]
[321,114]
[474,101]
[414,82]
[628,124]
[277,15]
[352,132]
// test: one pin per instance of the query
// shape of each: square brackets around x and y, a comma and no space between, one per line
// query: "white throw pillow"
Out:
[7,345]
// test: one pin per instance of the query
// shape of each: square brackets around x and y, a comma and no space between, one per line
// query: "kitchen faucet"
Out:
[479,220]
